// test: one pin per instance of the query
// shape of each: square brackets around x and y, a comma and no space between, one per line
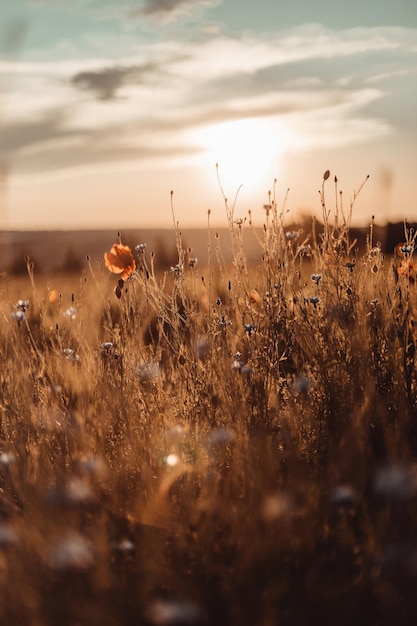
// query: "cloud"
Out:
[85,155]
[52,143]
[57,141]
[154,100]
[168,11]
[24,135]
[106,82]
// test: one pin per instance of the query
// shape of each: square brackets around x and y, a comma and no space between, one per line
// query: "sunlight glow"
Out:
[248,151]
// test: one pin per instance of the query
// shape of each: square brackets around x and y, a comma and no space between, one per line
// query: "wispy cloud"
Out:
[106,82]
[168,11]
[320,84]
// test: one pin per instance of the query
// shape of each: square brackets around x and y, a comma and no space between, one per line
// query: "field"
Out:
[226,443]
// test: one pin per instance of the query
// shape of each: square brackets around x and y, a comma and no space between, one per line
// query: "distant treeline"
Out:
[67,251]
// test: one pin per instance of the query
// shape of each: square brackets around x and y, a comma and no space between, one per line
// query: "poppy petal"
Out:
[120,260]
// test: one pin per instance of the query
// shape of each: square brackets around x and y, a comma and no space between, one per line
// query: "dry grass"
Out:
[213,445]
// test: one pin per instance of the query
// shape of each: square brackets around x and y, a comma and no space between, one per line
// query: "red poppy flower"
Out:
[254,297]
[397,249]
[407,269]
[120,261]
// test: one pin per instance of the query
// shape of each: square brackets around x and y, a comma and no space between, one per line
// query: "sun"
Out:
[247,151]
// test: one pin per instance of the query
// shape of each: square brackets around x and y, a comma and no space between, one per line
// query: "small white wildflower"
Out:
[77,492]
[7,458]
[22,305]
[141,247]
[107,348]
[71,313]
[125,546]
[396,482]
[300,385]
[305,250]
[93,466]
[407,250]
[292,234]
[148,372]
[220,437]
[236,362]
[19,316]
[344,496]
[177,270]
[168,613]
[374,252]
[71,552]
[314,300]
[223,322]
[249,328]
[316,278]
[178,430]
[71,356]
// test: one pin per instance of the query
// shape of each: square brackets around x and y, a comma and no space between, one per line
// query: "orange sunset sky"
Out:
[105,107]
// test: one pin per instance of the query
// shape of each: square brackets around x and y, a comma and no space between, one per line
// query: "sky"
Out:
[108,106]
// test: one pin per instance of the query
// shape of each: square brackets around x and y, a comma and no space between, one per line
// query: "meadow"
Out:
[214,442]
